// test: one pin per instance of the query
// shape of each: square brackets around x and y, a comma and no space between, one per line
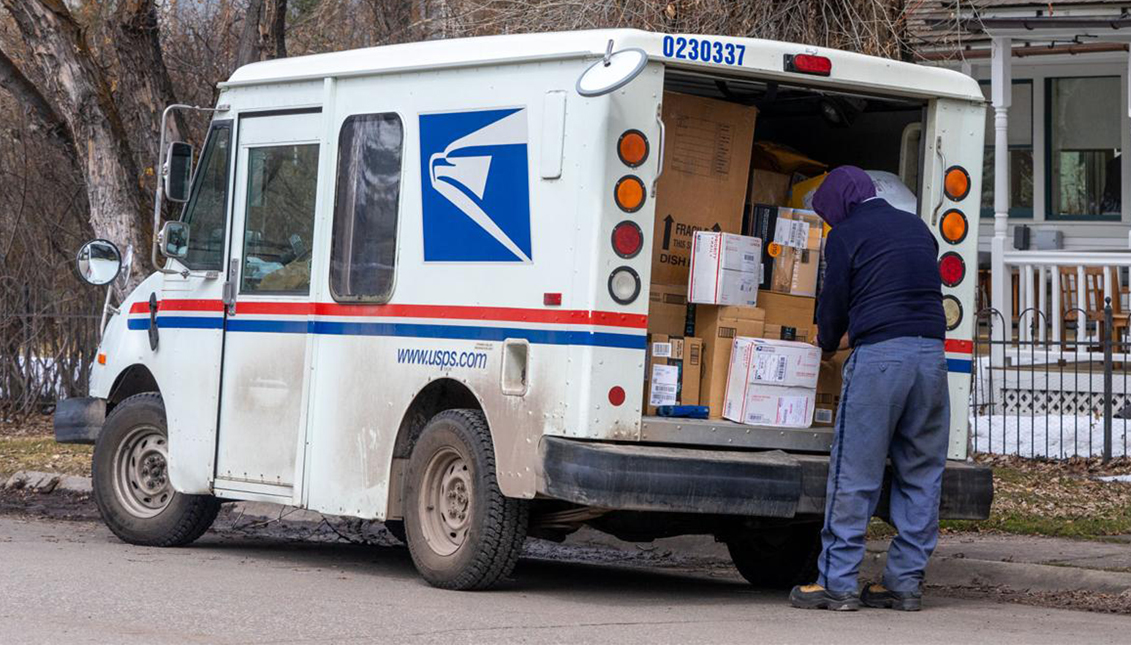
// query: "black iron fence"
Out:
[47,348]
[1036,395]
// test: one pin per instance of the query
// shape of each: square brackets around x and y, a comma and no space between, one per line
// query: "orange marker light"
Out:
[632,148]
[101,358]
[956,184]
[629,193]
[954,226]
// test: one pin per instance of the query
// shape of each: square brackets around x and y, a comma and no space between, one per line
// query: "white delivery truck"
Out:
[407,286]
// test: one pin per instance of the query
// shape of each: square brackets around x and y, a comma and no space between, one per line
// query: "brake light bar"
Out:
[808,64]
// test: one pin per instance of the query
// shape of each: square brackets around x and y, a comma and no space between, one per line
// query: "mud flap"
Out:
[79,420]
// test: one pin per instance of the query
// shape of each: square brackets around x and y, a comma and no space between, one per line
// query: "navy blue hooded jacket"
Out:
[881,278]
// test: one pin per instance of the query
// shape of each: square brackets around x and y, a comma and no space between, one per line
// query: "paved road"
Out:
[72,582]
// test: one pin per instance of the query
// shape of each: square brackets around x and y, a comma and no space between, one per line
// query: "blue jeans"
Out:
[894,403]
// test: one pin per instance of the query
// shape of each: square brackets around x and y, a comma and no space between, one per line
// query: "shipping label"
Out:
[665,385]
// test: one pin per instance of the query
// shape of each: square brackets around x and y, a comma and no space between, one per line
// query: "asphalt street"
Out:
[73,582]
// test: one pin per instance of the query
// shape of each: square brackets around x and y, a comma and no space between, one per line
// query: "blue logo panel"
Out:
[475,189]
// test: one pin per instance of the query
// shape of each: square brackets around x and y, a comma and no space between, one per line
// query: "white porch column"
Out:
[1001,79]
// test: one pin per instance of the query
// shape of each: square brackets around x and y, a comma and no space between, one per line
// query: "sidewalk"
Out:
[967,560]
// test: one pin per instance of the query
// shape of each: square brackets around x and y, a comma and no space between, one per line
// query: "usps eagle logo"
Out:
[475,186]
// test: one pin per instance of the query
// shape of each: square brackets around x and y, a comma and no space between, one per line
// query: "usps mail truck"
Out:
[406,285]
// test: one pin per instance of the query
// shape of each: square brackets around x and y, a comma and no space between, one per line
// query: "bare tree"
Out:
[34,103]
[264,32]
[78,88]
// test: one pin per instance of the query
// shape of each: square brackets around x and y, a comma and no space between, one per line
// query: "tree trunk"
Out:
[82,98]
[276,36]
[35,104]
[142,88]
[263,35]
[250,48]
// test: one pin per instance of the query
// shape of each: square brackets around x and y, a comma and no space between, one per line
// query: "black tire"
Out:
[485,549]
[175,519]
[777,558]
[396,529]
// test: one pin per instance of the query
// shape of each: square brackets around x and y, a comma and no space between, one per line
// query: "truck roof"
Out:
[763,58]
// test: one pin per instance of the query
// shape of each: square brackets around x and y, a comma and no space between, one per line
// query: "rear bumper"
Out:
[79,420]
[756,484]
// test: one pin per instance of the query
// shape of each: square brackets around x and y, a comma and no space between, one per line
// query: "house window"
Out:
[1020,152]
[1083,147]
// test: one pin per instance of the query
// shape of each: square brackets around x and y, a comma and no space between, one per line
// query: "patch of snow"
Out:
[1054,437]
[1116,478]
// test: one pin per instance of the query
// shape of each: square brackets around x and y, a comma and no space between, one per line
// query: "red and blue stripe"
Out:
[539,326]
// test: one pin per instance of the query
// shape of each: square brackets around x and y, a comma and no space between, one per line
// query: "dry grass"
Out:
[30,445]
[1035,497]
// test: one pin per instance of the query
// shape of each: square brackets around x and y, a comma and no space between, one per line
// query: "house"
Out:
[1056,75]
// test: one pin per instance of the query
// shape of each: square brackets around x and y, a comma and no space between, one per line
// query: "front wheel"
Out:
[778,557]
[460,529]
[131,479]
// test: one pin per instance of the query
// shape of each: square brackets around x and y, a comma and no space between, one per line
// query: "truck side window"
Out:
[364,242]
[282,182]
[207,209]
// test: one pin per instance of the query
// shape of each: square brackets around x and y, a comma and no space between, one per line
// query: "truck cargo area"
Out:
[740,156]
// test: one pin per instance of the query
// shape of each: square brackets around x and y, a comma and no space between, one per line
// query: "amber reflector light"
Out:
[953,226]
[957,183]
[632,148]
[629,193]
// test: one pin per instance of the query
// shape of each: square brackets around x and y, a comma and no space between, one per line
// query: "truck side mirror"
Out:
[99,262]
[173,239]
[178,172]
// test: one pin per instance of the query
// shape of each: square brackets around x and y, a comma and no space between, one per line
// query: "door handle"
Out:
[228,293]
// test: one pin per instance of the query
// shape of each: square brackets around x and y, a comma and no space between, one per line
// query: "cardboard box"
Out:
[768,187]
[724,269]
[718,327]
[768,155]
[783,407]
[772,382]
[668,310]
[674,371]
[791,248]
[703,185]
[788,317]
[828,389]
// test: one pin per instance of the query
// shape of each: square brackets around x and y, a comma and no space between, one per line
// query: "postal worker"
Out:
[882,287]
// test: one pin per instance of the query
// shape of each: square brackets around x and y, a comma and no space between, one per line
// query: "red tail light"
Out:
[952,269]
[808,64]
[627,239]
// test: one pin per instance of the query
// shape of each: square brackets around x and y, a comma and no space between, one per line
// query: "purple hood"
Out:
[841,191]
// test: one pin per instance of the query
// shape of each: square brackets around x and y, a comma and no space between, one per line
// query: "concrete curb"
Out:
[1019,576]
[48,482]
[948,571]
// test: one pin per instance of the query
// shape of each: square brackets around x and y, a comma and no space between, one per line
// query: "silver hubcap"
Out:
[445,501]
[141,476]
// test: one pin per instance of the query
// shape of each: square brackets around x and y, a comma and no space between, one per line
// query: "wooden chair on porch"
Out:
[1093,310]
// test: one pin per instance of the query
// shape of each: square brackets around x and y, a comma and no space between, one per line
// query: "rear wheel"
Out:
[131,479]
[460,529]
[777,558]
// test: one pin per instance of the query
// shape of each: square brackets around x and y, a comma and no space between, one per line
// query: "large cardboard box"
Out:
[668,310]
[718,327]
[724,269]
[772,382]
[703,185]
[828,389]
[791,248]
[674,371]
[794,315]
[768,187]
